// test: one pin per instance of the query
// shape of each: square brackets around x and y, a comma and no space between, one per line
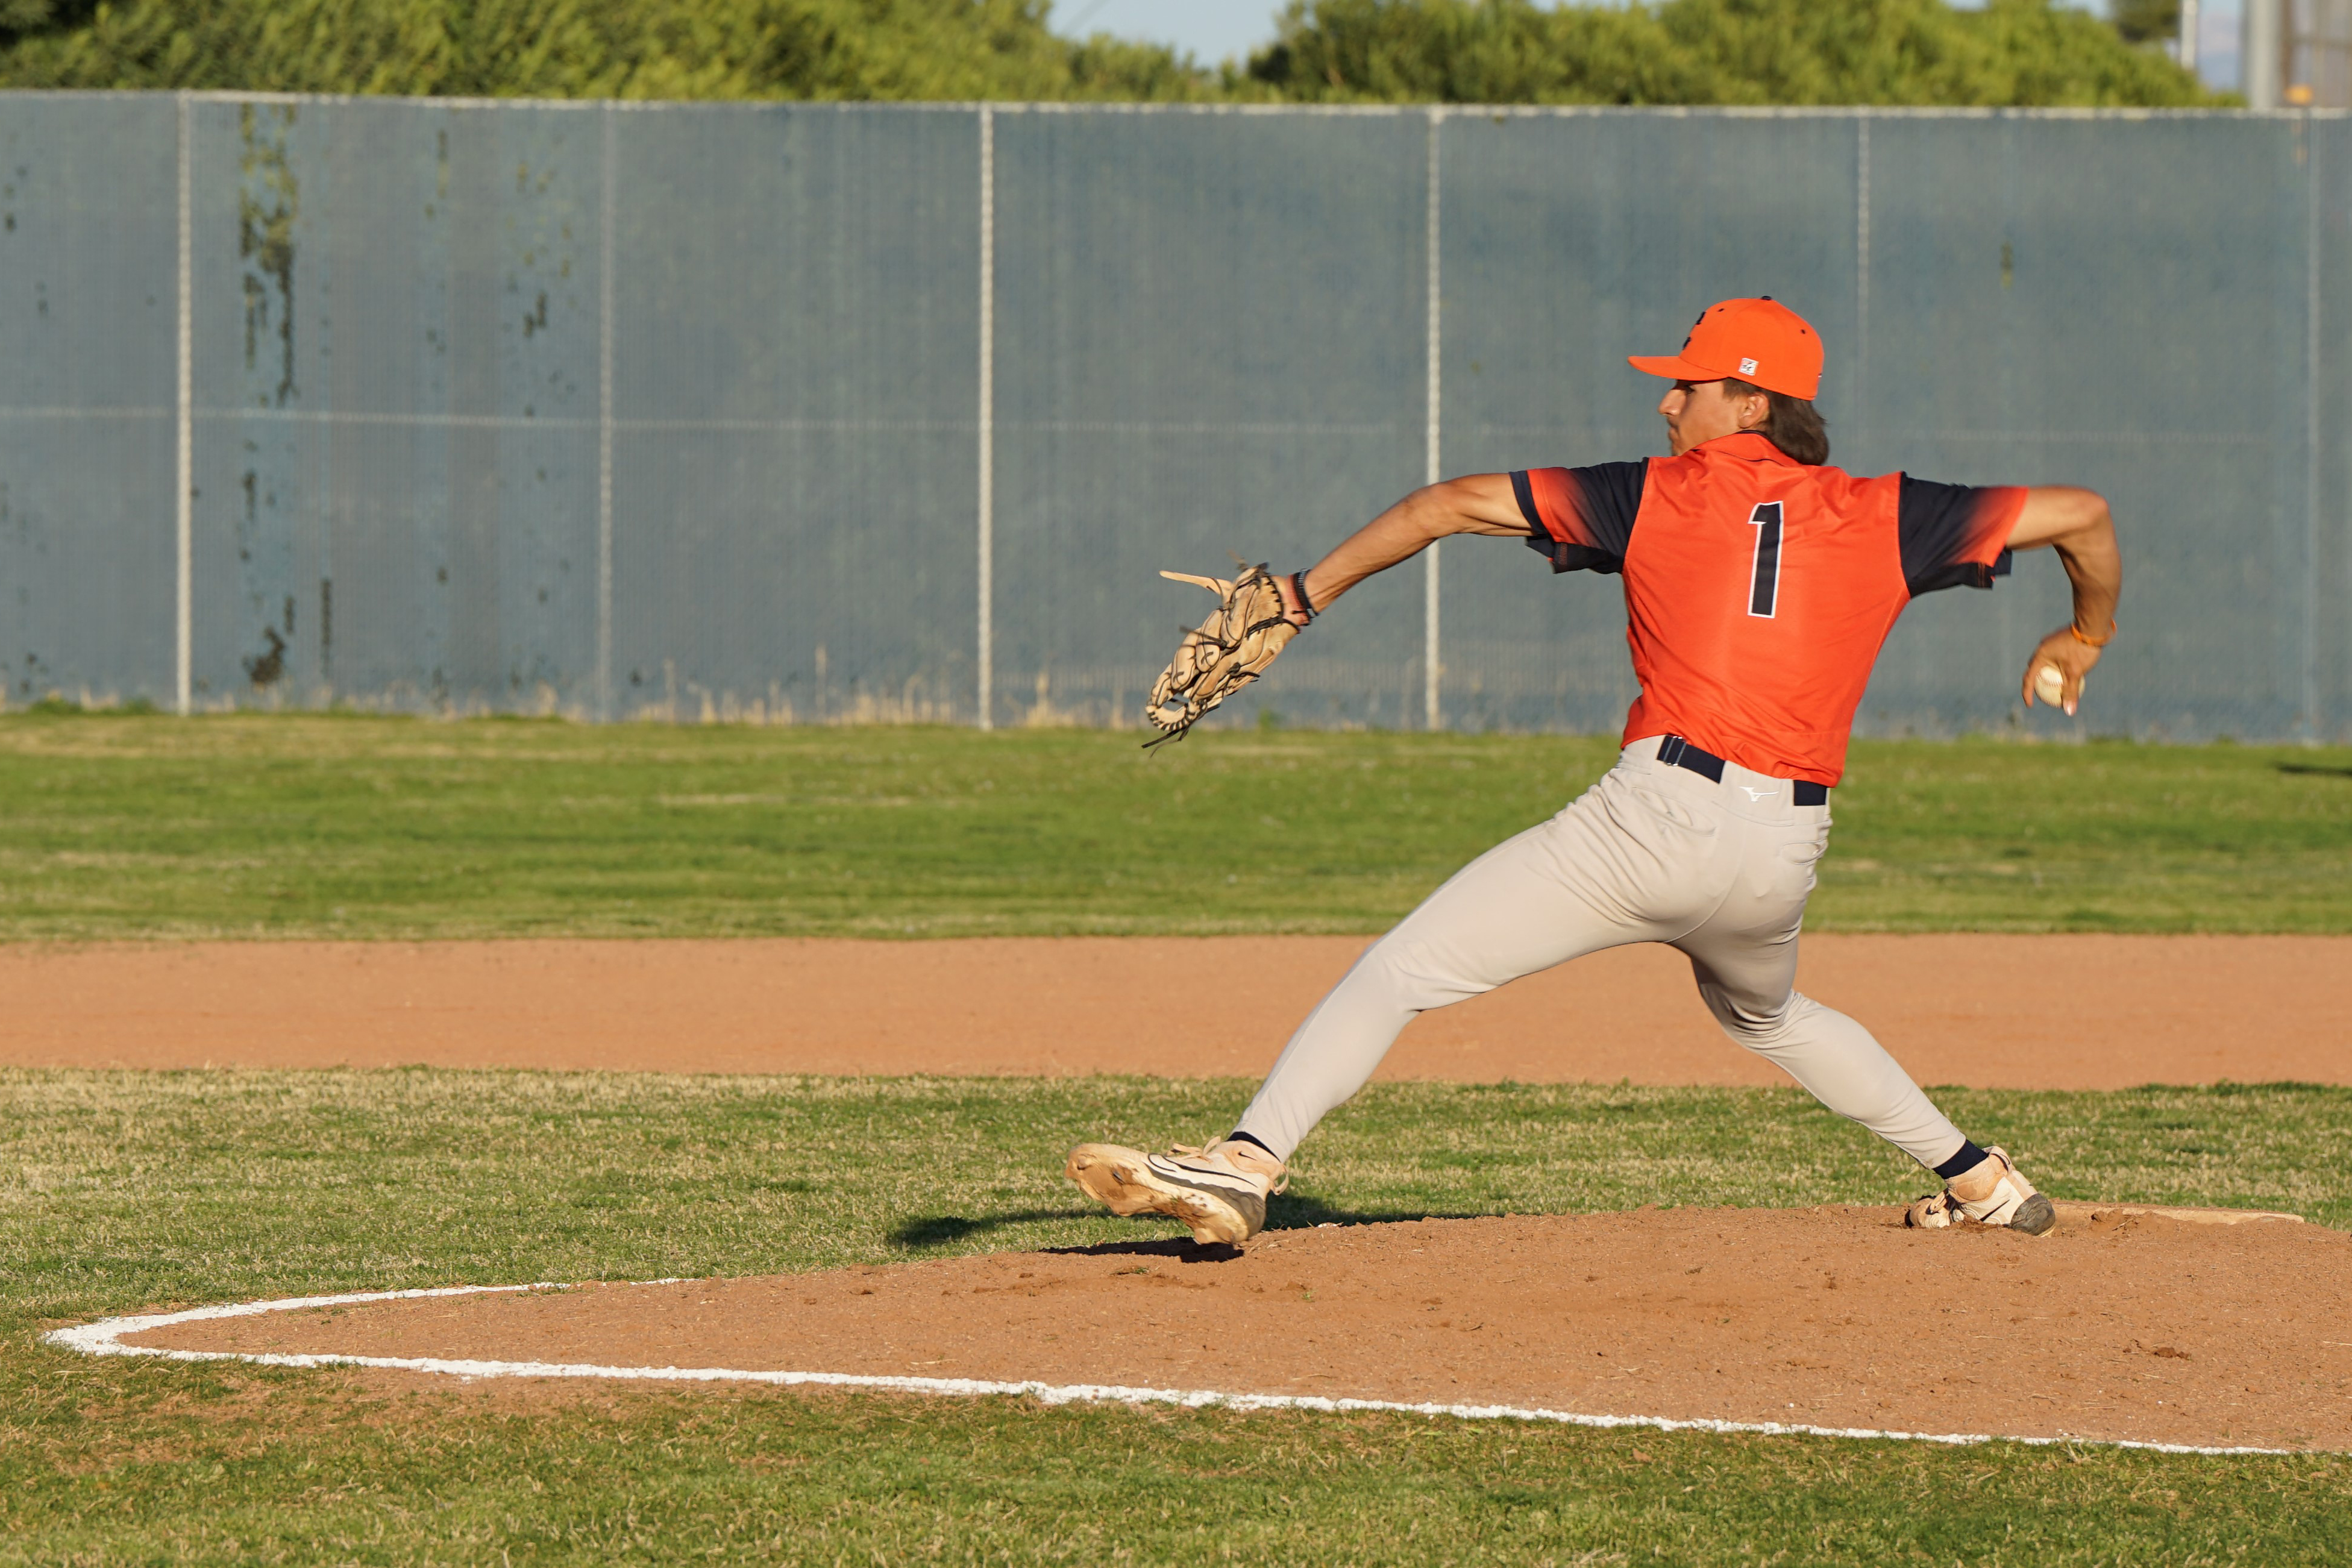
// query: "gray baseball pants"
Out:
[1651,853]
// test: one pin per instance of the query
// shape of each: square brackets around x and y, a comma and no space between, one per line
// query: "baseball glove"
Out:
[1225,653]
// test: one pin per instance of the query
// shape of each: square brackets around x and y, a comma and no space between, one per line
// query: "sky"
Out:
[1214,30]
[1211,30]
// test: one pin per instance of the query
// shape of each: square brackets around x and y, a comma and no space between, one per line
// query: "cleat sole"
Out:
[2035,1216]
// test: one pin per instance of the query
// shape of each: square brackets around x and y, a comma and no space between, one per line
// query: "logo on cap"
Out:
[1747,367]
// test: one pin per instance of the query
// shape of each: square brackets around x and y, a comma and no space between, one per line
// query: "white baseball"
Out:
[2050,684]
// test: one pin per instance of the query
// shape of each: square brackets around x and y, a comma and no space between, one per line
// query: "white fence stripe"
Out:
[1246,111]
[1862,262]
[184,510]
[605,247]
[985,653]
[2314,725]
[1433,662]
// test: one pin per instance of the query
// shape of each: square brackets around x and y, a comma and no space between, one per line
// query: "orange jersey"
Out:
[1758,589]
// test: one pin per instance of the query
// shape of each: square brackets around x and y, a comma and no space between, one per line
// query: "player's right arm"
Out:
[2076,524]
[1476,503]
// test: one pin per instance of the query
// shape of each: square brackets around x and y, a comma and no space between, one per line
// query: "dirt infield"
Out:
[2022,1012]
[2116,1326]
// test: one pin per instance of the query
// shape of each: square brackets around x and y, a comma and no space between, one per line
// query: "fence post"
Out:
[1432,665]
[604,249]
[184,413]
[2259,48]
[987,509]
[1861,261]
[2315,199]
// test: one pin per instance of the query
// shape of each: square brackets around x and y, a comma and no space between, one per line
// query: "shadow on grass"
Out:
[938,1230]
[1301,1211]
[1291,1212]
[1284,1214]
[2315,769]
[1183,1248]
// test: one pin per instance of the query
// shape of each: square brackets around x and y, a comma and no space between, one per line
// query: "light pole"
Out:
[2259,48]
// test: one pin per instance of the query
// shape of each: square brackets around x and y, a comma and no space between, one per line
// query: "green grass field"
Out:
[123,1191]
[375,827]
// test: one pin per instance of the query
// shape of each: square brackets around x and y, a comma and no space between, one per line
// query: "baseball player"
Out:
[1759,585]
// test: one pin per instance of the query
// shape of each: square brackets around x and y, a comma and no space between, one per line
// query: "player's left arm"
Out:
[2076,524]
[1476,503]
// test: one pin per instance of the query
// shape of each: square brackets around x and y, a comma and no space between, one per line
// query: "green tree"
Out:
[563,49]
[2145,21]
[1447,51]
[28,18]
[2012,52]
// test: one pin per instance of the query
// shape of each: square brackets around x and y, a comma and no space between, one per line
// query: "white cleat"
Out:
[1995,1192]
[1219,1192]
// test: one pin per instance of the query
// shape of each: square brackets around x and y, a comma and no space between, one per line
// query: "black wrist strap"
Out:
[1298,588]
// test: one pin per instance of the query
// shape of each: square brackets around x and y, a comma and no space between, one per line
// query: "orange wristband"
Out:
[2112,627]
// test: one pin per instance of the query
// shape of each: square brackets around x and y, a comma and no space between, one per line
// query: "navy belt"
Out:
[1677,753]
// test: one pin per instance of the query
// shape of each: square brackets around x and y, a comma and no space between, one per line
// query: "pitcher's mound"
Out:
[2117,1325]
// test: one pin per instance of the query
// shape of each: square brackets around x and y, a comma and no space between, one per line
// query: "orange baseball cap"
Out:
[1760,342]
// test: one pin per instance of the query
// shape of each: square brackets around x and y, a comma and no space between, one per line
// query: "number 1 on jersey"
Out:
[1764,587]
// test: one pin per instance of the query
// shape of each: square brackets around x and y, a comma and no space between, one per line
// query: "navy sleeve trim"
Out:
[1594,507]
[1526,496]
[1574,557]
[1941,527]
[1611,494]
[1962,575]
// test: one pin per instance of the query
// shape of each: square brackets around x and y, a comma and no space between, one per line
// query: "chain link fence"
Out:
[813,414]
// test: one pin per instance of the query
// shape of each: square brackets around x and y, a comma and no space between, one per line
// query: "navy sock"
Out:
[1966,1160]
[1238,1136]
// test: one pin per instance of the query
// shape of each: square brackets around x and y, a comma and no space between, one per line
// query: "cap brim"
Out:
[1674,367]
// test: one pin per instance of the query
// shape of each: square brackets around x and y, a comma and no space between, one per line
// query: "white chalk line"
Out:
[105,1337]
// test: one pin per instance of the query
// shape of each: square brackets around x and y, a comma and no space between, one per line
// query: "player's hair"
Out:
[1794,426]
